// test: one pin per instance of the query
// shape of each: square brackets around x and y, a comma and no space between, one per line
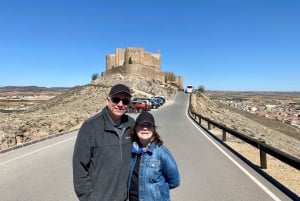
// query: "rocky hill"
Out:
[68,110]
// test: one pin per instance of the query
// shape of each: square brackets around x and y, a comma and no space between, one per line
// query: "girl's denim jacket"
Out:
[158,173]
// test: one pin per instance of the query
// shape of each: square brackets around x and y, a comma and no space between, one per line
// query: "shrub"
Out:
[95,76]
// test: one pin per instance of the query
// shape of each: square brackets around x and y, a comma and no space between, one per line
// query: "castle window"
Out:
[129,60]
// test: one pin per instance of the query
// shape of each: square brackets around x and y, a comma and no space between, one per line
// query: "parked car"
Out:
[154,103]
[131,107]
[160,99]
[138,106]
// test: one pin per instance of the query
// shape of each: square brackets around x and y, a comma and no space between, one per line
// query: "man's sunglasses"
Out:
[116,100]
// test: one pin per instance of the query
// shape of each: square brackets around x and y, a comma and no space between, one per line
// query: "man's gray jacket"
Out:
[101,159]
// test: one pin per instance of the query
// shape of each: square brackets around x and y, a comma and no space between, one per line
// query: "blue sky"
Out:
[248,45]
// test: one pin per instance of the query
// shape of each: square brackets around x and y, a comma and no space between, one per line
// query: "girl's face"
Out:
[144,132]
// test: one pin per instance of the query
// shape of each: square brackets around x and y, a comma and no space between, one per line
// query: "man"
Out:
[102,151]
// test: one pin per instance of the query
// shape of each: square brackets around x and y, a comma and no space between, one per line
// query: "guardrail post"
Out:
[224,136]
[199,120]
[263,155]
[208,125]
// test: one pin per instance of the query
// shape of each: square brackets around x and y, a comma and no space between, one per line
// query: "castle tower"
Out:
[135,61]
[110,61]
[136,55]
[120,56]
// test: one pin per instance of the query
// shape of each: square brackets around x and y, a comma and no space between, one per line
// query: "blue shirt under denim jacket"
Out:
[158,173]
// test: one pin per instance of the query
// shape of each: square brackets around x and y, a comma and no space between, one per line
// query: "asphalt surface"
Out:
[209,172]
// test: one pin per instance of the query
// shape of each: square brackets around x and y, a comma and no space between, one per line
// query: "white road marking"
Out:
[38,150]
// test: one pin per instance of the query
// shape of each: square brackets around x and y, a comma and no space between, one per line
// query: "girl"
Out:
[153,170]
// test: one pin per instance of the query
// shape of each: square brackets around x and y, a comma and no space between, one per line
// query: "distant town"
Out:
[15,98]
[21,103]
[284,107]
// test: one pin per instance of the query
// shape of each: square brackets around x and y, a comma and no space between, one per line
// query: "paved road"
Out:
[43,171]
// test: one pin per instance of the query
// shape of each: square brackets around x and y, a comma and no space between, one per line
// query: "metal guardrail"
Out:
[260,144]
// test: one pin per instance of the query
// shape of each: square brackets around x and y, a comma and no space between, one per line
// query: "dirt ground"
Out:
[285,174]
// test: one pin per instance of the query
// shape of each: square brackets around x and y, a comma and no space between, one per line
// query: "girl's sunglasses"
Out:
[145,125]
[116,100]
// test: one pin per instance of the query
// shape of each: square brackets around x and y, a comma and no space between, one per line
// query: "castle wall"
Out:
[179,80]
[137,56]
[150,60]
[139,70]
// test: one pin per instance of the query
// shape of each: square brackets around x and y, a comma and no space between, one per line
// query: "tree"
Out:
[95,76]
[200,90]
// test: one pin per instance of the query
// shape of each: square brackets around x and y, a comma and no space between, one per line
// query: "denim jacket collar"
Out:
[138,149]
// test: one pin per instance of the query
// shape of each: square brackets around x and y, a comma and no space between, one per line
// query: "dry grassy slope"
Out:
[62,113]
[276,134]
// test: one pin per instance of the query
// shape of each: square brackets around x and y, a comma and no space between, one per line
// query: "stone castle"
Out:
[133,61]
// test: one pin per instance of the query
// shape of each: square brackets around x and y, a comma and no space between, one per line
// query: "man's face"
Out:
[118,104]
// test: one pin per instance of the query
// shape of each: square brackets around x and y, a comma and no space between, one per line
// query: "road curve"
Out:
[209,172]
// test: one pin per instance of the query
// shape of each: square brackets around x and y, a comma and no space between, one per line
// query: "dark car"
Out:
[154,103]
[161,100]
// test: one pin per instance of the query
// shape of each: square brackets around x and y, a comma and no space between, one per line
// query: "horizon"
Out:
[228,91]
